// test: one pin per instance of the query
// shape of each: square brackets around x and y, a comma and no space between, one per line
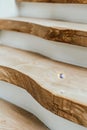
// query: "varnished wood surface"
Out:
[56,1]
[40,76]
[71,33]
[15,118]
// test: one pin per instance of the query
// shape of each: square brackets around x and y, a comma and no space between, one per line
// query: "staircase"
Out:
[43,52]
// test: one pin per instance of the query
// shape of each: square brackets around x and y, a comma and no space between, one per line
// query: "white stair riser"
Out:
[58,51]
[66,12]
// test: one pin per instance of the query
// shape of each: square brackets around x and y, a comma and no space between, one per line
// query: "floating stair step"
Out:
[59,87]
[23,99]
[71,33]
[56,1]
[13,117]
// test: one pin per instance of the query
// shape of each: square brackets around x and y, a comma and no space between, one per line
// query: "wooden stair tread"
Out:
[71,33]
[40,76]
[56,1]
[15,118]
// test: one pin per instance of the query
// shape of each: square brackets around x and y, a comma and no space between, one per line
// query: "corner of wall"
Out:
[8,8]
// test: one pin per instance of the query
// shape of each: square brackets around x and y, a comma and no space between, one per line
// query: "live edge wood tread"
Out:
[56,1]
[61,88]
[49,30]
[15,118]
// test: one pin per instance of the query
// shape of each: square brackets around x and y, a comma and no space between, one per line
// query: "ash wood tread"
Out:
[56,1]
[40,76]
[71,33]
[15,118]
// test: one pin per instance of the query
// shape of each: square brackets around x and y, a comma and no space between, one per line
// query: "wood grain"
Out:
[53,33]
[15,118]
[56,1]
[40,76]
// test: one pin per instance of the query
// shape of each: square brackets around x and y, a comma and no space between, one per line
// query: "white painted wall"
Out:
[8,8]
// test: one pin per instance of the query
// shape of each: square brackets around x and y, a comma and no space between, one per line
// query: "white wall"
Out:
[8,8]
